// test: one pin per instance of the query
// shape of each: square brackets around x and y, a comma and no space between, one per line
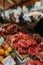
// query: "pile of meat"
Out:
[24,44]
[11,29]
[21,42]
[33,62]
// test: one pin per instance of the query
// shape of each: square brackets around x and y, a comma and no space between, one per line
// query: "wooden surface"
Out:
[9,3]
[30,2]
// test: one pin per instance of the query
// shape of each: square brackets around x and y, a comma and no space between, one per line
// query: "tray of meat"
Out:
[22,61]
[21,43]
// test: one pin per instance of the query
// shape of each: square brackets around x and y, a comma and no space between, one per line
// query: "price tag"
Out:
[8,61]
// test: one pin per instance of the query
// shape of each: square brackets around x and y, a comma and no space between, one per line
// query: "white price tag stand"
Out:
[9,61]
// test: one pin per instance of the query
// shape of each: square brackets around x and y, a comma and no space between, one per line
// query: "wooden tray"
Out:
[22,57]
[23,60]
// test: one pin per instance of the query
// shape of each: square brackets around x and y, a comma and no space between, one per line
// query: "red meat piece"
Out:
[22,51]
[14,38]
[24,36]
[23,43]
[29,42]
[40,55]
[41,45]
[33,42]
[30,62]
[39,63]
[8,38]
[15,46]
[33,62]
[38,48]
[31,51]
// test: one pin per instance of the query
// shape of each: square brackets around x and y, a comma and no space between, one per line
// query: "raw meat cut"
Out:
[31,51]
[22,51]
[23,43]
[33,62]
[15,46]
[30,62]
[40,55]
